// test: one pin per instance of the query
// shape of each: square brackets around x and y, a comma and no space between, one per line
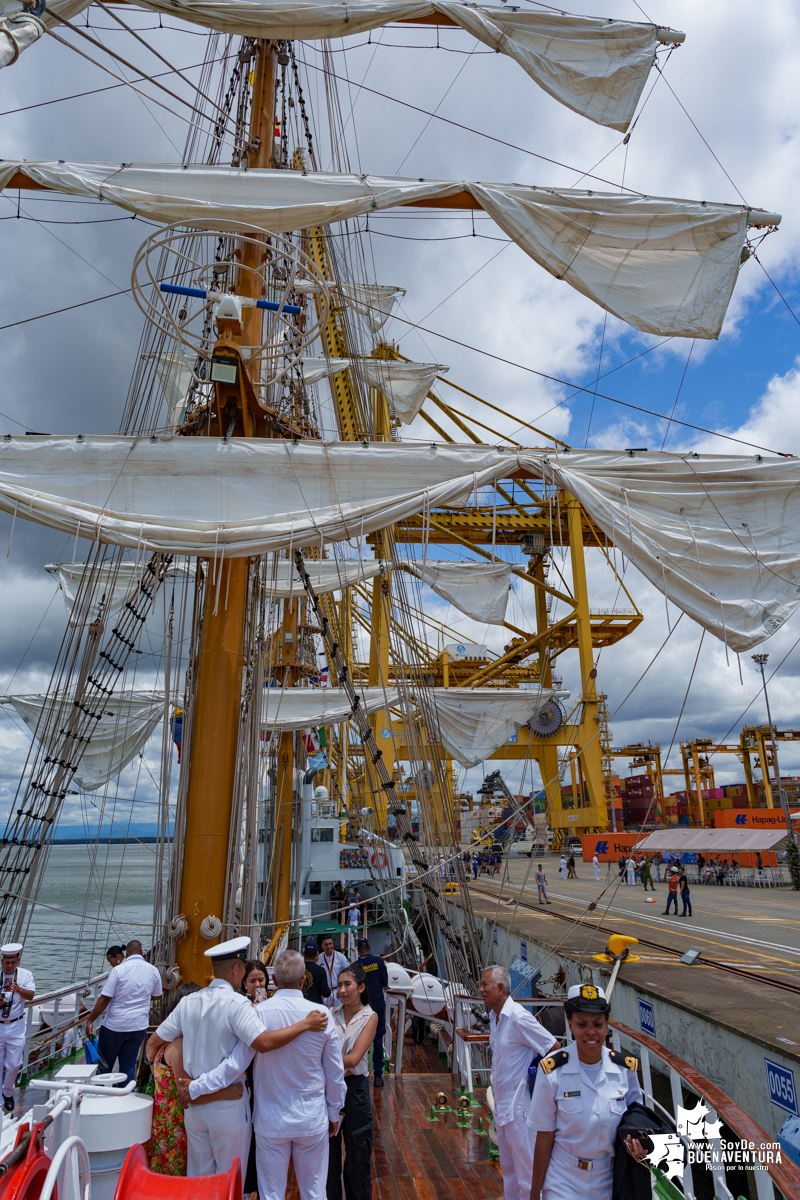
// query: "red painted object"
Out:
[138,1182]
[24,1179]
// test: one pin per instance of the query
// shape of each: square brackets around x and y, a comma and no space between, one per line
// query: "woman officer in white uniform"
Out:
[579,1099]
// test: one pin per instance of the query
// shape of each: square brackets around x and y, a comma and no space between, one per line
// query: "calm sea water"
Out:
[113,886]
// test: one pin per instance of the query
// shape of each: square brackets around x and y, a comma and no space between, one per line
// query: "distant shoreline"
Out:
[104,841]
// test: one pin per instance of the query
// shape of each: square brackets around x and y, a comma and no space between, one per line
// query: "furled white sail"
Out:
[594,66]
[665,266]
[315,369]
[304,708]
[219,498]
[474,722]
[404,384]
[374,301]
[127,722]
[20,30]
[111,586]
[480,590]
[718,534]
[175,371]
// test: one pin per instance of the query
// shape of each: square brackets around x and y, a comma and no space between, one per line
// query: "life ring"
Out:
[378,858]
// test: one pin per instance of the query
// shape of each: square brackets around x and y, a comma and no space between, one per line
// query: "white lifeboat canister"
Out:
[428,995]
[399,978]
[109,1127]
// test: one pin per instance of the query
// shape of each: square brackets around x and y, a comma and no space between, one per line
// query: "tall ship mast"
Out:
[326,575]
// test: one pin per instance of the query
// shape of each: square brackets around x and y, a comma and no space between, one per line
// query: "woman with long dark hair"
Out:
[356,1024]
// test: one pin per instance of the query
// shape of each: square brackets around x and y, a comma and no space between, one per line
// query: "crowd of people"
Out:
[266,1079]
[483,862]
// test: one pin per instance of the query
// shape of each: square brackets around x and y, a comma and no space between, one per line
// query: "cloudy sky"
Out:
[720,125]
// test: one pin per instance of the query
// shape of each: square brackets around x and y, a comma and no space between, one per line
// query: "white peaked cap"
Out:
[579,991]
[231,949]
[12,948]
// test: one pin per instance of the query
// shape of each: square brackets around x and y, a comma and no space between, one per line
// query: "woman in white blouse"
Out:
[356,1024]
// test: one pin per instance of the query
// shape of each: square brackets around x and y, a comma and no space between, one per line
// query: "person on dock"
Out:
[515,1036]
[127,995]
[563,866]
[316,987]
[376,978]
[672,892]
[579,1098]
[596,865]
[299,1089]
[571,873]
[683,887]
[214,1023]
[331,962]
[631,870]
[647,874]
[356,1026]
[18,988]
[541,885]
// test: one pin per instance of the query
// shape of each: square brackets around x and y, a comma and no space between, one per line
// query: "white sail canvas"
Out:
[111,586]
[474,722]
[479,590]
[127,722]
[665,266]
[594,66]
[374,301]
[303,708]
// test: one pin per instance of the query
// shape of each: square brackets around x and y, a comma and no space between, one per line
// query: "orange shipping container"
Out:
[609,846]
[751,818]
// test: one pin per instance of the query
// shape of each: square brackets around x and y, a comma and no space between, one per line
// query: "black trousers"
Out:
[377,1045]
[356,1134]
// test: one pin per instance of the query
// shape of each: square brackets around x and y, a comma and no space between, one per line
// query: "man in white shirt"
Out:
[299,1089]
[596,865]
[515,1036]
[17,988]
[215,1022]
[332,961]
[125,999]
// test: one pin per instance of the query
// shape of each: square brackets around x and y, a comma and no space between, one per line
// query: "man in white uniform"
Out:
[515,1036]
[299,1089]
[596,865]
[125,999]
[214,1022]
[332,961]
[18,986]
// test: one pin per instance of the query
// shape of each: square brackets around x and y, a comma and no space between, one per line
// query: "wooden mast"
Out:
[214,747]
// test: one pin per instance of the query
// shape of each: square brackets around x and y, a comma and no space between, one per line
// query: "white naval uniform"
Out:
[584,1112]
[596,865]
[514,1036]
[213,1022]
[12,1031]
[298,1088]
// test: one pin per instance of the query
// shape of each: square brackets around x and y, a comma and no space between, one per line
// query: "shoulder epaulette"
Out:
[553,1060]
[624,1060]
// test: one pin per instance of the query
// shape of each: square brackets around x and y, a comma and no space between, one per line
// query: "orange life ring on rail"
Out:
[378,858]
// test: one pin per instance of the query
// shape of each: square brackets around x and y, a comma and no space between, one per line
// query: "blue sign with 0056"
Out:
[647,1019]
[781,1087]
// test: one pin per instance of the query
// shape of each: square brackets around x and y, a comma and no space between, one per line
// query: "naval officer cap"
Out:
[11,950]
[585,997]
[235,948]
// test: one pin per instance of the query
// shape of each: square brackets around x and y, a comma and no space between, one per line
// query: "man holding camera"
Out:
[17,988]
